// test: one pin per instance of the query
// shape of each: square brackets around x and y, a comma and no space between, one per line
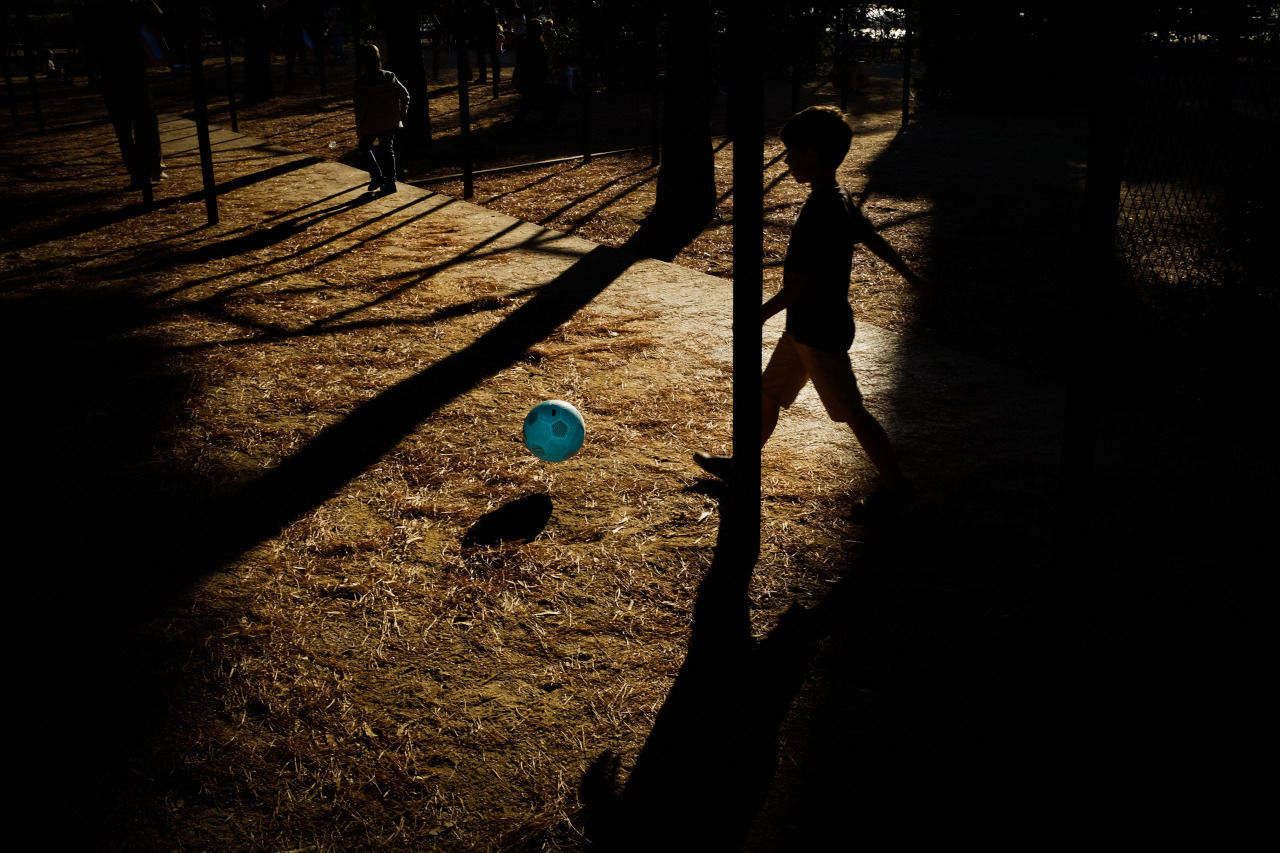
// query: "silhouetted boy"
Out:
[381,102]
[815,295]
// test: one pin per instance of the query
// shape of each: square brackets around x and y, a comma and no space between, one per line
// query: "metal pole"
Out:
[195,56]
[497,59]
[231,83]
[844,59]
[794,25]
[747,117]
[464,103]
[28,54]
[655,101]
[354,9]
[317,44]
[906,68]
[426,104]
[582,80]
[1097,274]
[14,113]
[516,167]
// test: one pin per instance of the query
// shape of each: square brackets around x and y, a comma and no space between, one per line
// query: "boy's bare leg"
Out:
[875,442]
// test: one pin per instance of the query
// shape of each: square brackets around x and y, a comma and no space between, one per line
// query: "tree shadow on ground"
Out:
[109,538]
[74,225]
[248,241]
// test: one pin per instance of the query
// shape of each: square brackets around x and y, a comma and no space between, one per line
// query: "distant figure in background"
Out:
[121,28]
[381,103]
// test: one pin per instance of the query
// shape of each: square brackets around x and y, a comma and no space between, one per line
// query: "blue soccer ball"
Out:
[553,430]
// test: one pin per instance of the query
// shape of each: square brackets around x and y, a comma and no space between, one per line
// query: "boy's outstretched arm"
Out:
[794,285]
[881,249]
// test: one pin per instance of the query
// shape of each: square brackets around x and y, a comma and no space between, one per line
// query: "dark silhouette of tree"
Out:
[686,192]
[398,21]
[257,51]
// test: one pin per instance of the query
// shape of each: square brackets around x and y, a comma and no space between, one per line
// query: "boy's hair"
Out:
[824,128]
[369,57]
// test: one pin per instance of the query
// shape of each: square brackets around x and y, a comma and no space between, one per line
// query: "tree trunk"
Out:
[686,192]
[257,53]
[399,23]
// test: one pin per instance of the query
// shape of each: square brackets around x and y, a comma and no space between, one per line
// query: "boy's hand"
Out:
[769,310]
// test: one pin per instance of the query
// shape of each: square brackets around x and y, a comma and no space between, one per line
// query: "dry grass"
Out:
[365,679]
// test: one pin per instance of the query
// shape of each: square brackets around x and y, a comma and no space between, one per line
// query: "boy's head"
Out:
[823,130]
[369,57]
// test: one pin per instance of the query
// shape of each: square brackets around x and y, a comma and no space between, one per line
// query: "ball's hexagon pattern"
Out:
[554,430]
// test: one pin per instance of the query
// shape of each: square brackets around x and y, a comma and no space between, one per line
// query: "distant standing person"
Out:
[815,294]
[381,102]
[121,27]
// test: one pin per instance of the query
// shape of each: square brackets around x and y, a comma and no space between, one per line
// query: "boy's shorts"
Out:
[793,364]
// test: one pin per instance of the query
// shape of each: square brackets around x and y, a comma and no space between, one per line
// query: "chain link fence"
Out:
[1197,213]
[1200,155]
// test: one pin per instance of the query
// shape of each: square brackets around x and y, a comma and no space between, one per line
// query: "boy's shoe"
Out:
[375,184]
[389,186]
[716,466]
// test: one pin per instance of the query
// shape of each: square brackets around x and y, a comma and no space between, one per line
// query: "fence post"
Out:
[24,25]
[655,101]
[906,66]
[464,105]
[581,79]
[742,507]
[318,47]
[497,57]
[1096,275]
[195,56]
[226,55]
[15,114]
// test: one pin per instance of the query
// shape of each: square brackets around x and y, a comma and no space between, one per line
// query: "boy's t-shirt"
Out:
[821,248]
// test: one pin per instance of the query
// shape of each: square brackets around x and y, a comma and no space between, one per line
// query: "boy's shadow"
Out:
[708,777]
[707,765]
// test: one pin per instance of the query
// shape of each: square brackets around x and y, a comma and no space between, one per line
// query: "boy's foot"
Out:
[716,466]
[389,186]
[375,184]
[885,498]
